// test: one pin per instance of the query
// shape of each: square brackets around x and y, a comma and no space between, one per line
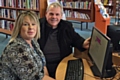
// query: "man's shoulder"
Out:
[65,22]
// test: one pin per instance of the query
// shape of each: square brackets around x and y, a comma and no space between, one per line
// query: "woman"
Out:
[22,58]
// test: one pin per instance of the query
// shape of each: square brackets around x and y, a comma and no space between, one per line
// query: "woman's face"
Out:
[28,29]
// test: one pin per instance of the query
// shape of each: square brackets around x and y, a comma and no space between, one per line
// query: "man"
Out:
[58,37]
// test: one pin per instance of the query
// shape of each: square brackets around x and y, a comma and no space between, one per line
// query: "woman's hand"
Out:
[46,75]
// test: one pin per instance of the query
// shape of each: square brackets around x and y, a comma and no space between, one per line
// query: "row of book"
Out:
[76,14]
[6,24]
[11,14]
[8,3]
[109,10]
[29,4]
[77,4]
[8,13]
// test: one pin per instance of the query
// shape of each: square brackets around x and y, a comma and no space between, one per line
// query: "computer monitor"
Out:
[100,54]
[113,32]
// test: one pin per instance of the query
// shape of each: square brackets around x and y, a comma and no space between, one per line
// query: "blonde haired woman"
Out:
[22,58]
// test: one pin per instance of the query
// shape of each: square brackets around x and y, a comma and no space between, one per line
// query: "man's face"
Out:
[53,16]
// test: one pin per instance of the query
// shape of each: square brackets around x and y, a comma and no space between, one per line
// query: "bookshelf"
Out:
[9,10]
[78,10]
[117,17]
[110,5]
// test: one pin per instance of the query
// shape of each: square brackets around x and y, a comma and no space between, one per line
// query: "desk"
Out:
[116,59]
[61,69]
[88,75]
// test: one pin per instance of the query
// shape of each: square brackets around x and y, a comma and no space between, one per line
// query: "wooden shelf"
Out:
[4,7]
[77,9]
[9,19]
[23,9]
[77,19]
[109,5]
[5,31]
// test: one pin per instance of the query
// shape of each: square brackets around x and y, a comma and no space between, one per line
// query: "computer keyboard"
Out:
[75,70]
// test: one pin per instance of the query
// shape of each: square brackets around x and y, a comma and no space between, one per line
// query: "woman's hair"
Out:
[19,22]
[55,5]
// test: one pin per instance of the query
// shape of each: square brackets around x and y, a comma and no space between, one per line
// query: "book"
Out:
[105,2]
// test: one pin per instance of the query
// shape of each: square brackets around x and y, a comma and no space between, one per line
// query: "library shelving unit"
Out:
[100,22]
[78,10]
[117,17]
[110,5]
[9,10]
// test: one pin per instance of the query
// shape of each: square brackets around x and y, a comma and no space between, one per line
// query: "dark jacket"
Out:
[67,37]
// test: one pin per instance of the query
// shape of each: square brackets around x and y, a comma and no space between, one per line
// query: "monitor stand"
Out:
[107,74]
[110,70]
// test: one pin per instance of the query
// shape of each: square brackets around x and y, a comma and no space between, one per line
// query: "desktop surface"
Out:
[88,75]
[62,67]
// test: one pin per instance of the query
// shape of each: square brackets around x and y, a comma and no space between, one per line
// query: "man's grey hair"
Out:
[55,5]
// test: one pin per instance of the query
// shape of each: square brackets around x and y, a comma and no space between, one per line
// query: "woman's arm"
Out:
[46,74]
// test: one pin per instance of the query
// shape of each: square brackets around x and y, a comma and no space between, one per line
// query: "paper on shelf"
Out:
[103,11]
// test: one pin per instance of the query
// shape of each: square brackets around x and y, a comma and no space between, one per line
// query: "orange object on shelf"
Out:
[100,22]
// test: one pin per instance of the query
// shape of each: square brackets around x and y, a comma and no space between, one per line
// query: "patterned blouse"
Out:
[21,62]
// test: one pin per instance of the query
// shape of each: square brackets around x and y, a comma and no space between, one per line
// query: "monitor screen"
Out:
[99,52]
